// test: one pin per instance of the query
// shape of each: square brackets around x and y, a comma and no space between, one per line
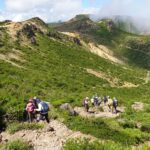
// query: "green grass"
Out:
[18,145]
[86,145]
[106,129]
[14,127]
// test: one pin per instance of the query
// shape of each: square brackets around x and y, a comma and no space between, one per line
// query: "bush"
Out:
[128,124]
[145,128]
[18,145]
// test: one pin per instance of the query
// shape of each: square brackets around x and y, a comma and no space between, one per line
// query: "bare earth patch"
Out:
[99,50]
[46,140]
[96,112]
[114,82]
[104,52]
[138,106]
[12,56]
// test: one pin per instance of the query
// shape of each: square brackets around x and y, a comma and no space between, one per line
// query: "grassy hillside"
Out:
[134,49]
[54,68]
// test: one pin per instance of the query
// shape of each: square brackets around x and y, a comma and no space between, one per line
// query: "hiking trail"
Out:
[99,111]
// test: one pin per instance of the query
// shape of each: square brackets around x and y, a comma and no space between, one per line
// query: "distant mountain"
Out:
[80,23]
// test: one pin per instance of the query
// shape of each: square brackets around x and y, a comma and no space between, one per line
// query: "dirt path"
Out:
[47,140]
[98,112]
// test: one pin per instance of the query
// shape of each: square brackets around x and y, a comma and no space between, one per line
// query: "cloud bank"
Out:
[48,10]
[138,10]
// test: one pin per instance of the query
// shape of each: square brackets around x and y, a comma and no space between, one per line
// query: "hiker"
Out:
[97,101]
[110,102]
[86,104]
[25,113]
[92,101]
[115,104]
[105,100]
[43,109]
[30,110]
[36,101]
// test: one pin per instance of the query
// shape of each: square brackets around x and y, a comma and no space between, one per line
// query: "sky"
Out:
[56,10]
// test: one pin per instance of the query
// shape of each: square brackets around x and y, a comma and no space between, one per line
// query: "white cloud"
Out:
[48,10]
[137,9]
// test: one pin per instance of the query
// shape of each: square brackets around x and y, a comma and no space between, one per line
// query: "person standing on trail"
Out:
[86,104]
[92,101]
[105,100]
[43,109]
[110,103]
[115,104]
[30,110]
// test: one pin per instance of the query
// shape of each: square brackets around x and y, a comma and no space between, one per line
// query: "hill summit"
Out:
[80,23]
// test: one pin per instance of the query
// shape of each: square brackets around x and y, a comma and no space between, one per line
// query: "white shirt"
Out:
[39,107]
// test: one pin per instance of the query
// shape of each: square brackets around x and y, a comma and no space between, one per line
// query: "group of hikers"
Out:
[36,109]
[96,101]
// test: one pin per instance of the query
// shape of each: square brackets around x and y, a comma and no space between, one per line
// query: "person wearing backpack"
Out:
[115,104]
[30,110]
[105,100]
[86,104]
[110,103]
[43,109]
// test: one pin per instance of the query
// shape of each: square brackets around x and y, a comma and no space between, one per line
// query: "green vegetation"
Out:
[54,69]
[18,145]
[14,127]
[106,129]
[86,145]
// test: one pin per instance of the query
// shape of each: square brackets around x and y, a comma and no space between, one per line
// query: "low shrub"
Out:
[18,145]
[145,128]
[14,127]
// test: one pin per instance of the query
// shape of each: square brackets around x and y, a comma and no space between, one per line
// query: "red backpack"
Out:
[30,107]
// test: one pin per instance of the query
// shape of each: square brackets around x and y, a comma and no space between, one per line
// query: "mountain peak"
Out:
[80,17]
[37,21]
[80,23]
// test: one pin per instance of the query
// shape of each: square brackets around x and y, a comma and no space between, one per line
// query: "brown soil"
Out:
[44,139]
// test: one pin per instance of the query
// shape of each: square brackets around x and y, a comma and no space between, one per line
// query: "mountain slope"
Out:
[57,69]
[35,64]
[127,47]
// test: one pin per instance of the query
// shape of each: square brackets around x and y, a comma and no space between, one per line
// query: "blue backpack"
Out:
[45,107]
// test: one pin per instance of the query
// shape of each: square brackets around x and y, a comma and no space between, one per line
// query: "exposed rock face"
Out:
[69,108]
[54,35]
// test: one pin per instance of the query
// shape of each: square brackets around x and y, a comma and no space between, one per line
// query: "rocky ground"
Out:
[52,137]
